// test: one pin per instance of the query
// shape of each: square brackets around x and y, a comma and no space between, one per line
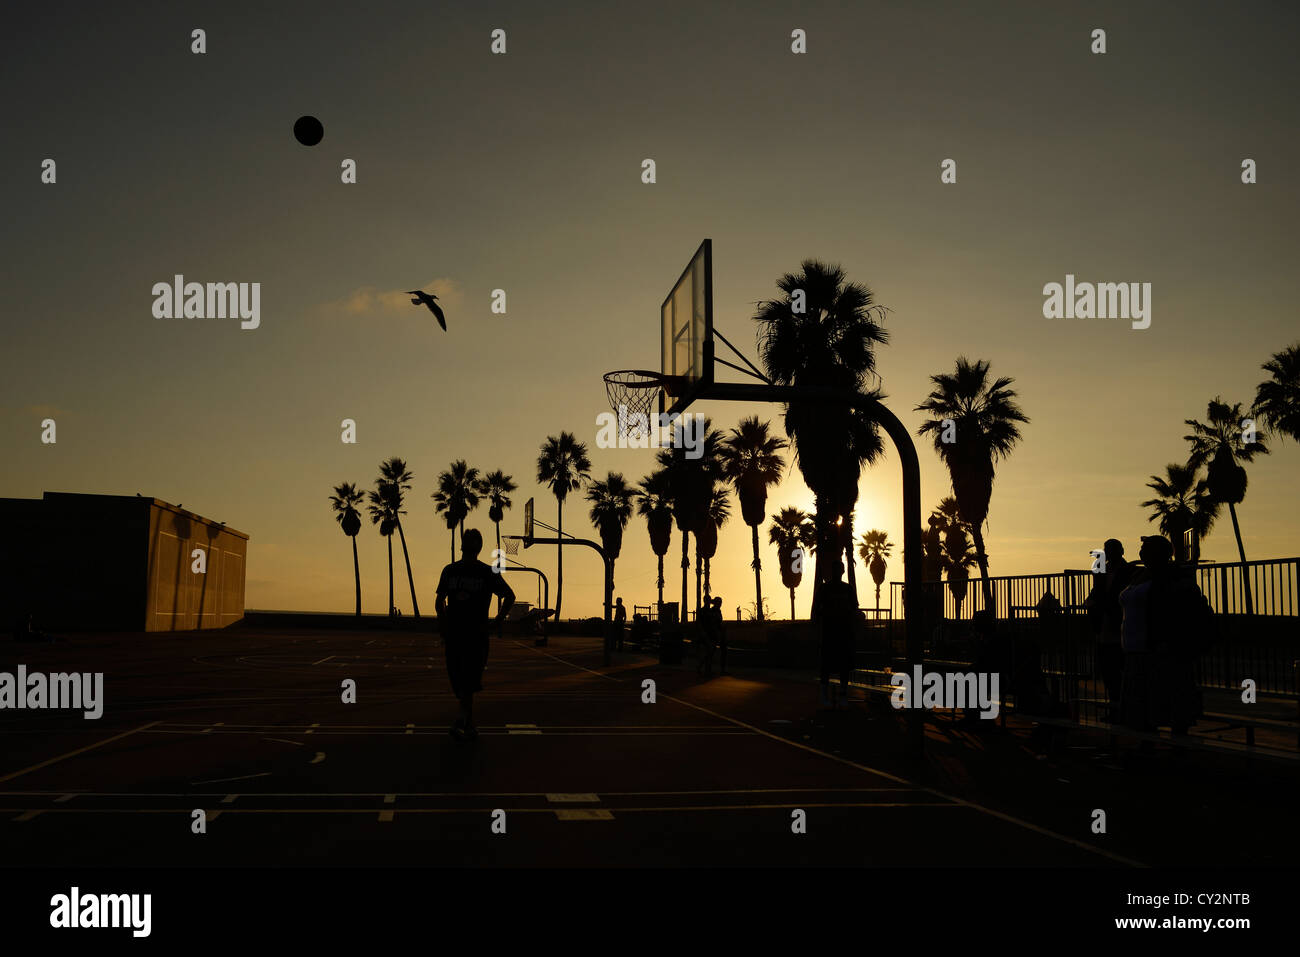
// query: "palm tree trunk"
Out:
[686,568]
[792,604]
[981,559]
[559,561]
[415,605]
[453,543]
[708,587]
[498,557]
[877,603]
[390,575]
[660,583]
[356,571]
[1241,550]
[758,584]
[698,563]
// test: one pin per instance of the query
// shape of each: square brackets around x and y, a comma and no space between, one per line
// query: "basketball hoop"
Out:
[632,394]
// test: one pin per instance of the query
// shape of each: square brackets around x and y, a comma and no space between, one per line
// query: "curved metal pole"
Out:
[913,607]
[546,587]
[609,581]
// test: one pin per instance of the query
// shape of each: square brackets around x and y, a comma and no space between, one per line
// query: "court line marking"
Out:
[1073,842]
[245,777]
[72,754]
[584,814]
[670,809]
[323,660]
[573,798]
[457,794]
[28,815]
[286,741]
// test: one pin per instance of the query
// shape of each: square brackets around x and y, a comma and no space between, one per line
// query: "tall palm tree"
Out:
[792,531]
[497,487]
[381,514]
[345,500]
[985,415]
[654,504]
[1220,442]
[874,549]
[706,542]
[459,488]
[1182,502]
[750,461]
[611,507]
[563,465]
[829,342]
[1277,400]
[395,481]
[691,481]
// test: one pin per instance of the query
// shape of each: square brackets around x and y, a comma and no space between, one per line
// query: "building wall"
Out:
[179,599]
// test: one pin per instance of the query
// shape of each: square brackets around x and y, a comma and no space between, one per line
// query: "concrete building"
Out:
[117,563]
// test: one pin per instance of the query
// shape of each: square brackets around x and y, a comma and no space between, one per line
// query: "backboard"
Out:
[528,523]
[686,324]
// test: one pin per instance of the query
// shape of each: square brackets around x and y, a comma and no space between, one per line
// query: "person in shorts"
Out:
[463,604]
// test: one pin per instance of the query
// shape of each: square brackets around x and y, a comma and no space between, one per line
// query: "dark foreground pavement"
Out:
[249,726]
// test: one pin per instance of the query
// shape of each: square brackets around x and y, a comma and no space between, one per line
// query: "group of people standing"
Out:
[1152,624]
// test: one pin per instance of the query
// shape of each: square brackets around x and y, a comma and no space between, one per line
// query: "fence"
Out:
[1263,646]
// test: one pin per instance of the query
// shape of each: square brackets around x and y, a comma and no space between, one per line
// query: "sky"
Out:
[522,172]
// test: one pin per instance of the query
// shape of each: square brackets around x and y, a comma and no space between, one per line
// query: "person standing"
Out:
[464,601]
[620,621]
[1104,608]
[836,618]
[720,633]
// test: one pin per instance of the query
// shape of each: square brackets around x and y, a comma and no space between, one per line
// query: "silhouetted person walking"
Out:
[1104,608]
[720,633]
[836,618]
[620,620]
[464,600]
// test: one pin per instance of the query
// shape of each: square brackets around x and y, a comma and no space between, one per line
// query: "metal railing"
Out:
[1263,646]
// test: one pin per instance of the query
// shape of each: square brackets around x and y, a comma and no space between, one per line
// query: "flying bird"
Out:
[427,298]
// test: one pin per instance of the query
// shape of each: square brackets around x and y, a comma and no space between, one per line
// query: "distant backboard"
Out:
[528,523]
[686,320]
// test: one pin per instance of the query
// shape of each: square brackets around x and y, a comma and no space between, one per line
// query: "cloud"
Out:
[372,301]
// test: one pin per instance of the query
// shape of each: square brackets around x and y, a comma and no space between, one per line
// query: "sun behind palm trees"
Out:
[563,466]
[750,461]
[345,500]
[823,333]
[973,424]
[874,549]
[794,535]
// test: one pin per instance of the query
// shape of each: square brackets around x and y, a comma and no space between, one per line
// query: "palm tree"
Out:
[395,481]
[497,487]
[611,507]
[458,492]
[958,557]
[706,541]
[792,531]
[829,342]
[985,415]
[874,549]
[750,461]
[653,503]
[1182,503]
[1277,400]
[1220,442]
[563,466]
[345,500]
[381,514]
[690,487]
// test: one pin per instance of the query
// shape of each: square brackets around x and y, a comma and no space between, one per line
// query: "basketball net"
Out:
[632,395]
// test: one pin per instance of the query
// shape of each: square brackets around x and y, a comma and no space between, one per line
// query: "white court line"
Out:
[323,660]
[244,777]
[1073,842]
[71,754]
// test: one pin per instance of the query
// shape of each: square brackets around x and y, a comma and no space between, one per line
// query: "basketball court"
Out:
[248,726]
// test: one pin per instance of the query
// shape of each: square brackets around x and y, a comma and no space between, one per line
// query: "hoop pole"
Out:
[913,607]
[609,582]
